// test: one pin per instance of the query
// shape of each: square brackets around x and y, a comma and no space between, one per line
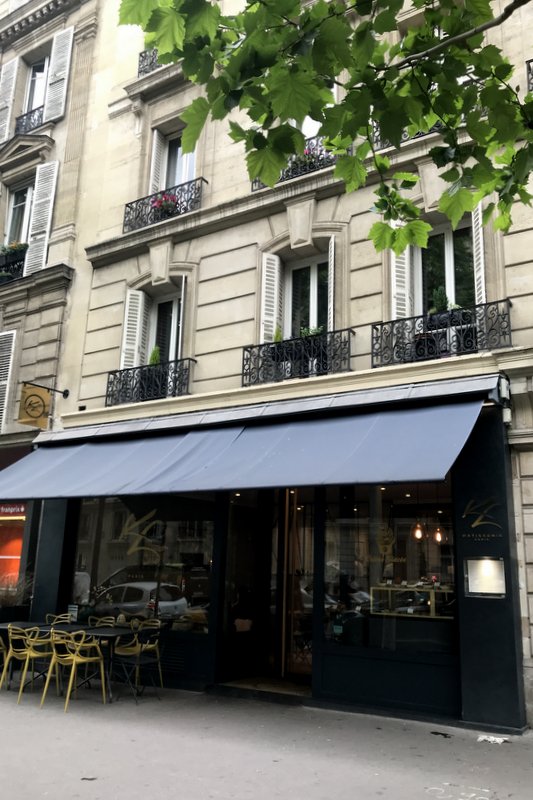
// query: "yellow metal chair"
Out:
[26,645]
[101,622]
[56,619]
[151,645]
[71,650]
[136,656]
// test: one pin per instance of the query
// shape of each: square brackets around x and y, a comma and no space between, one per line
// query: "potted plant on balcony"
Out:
[154,377]
[164,203]
[438,313]
[12,252]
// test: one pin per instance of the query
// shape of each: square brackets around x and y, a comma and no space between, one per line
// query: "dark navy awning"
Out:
[417,444]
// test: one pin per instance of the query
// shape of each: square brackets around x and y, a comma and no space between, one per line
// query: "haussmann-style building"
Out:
[313,462]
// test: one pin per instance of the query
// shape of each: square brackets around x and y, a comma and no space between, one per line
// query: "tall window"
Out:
[447,264]
[37,80]
[149,323]
[450,270]
[166,324]
[170,166]
[19,212]
[47,83]
[297,298]
[306,290]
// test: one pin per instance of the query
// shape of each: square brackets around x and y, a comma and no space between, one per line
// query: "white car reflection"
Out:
[138,600]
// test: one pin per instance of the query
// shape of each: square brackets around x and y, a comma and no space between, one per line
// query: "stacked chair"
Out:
[27,646]
[70,651]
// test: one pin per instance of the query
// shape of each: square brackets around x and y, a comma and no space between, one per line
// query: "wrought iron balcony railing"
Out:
[457,332]
[163,205]
[147,62]
[529,74]
[151,382]
[305,357]
[380,143]
[27,122]
[12,265]
[314,157]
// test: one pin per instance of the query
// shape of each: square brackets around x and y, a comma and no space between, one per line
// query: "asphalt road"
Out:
[194,747]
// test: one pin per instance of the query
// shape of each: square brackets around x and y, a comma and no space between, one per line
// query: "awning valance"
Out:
[417,444]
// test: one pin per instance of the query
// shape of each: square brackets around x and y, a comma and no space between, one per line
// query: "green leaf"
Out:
[202,18]
[352,171]
[266,165]
[170,29]
[480,8]
[406,177]
[455,202]
[135,12]
[382,236]
[385,21]
[194,117]
[291,93]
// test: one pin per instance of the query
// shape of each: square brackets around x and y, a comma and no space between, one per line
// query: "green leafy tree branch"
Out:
[369,72]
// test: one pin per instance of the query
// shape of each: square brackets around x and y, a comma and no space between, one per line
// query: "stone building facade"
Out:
[166,289]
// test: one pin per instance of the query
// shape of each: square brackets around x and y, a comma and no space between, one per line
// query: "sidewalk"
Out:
[194,747]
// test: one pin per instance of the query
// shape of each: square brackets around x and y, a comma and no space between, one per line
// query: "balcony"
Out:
[135,385]
[381,144]
[305,357]
[147,62]
[163,205]
[457,332]
[314,157]
[27,122]
[529,74]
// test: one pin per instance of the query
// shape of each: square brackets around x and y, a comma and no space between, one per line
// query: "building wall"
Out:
[70,316]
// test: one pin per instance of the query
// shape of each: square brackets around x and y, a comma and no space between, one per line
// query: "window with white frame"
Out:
[447,263]
[19,211]
[170,166]
[297,298]
[452,265]
[45,75]
[29,215]
[151,322]
[36,85]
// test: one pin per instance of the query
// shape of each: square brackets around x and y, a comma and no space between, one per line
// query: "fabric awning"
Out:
[382,447]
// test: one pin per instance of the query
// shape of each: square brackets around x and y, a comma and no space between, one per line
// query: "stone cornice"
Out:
[27,18]
[211,219]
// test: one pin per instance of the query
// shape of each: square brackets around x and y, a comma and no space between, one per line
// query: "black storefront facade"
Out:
[357,548]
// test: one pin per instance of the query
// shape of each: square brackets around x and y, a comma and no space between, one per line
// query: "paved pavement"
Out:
[192,746]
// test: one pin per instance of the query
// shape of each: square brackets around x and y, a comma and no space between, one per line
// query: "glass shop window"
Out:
[140,558]
[390,568]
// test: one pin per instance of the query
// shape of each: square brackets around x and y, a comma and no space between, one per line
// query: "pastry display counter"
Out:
[418,600]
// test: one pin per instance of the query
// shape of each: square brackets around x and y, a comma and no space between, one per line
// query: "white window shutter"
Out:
[478,254]
[8,78]
[179,350]
[56,91]
[41,216]
[136,329]
[402,284]
[331,284]
[158,164]
[7,344]
[271,296]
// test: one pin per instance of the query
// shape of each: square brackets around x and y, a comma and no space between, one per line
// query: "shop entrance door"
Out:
[269,588]
[292,582]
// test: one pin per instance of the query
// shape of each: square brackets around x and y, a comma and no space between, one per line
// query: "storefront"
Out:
[357,546]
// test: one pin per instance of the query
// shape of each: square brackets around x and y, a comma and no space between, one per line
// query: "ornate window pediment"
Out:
[22,155]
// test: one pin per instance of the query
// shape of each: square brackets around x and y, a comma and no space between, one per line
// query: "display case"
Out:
[418,600]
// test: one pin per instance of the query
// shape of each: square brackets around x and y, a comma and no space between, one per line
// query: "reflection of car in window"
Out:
[138,599]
